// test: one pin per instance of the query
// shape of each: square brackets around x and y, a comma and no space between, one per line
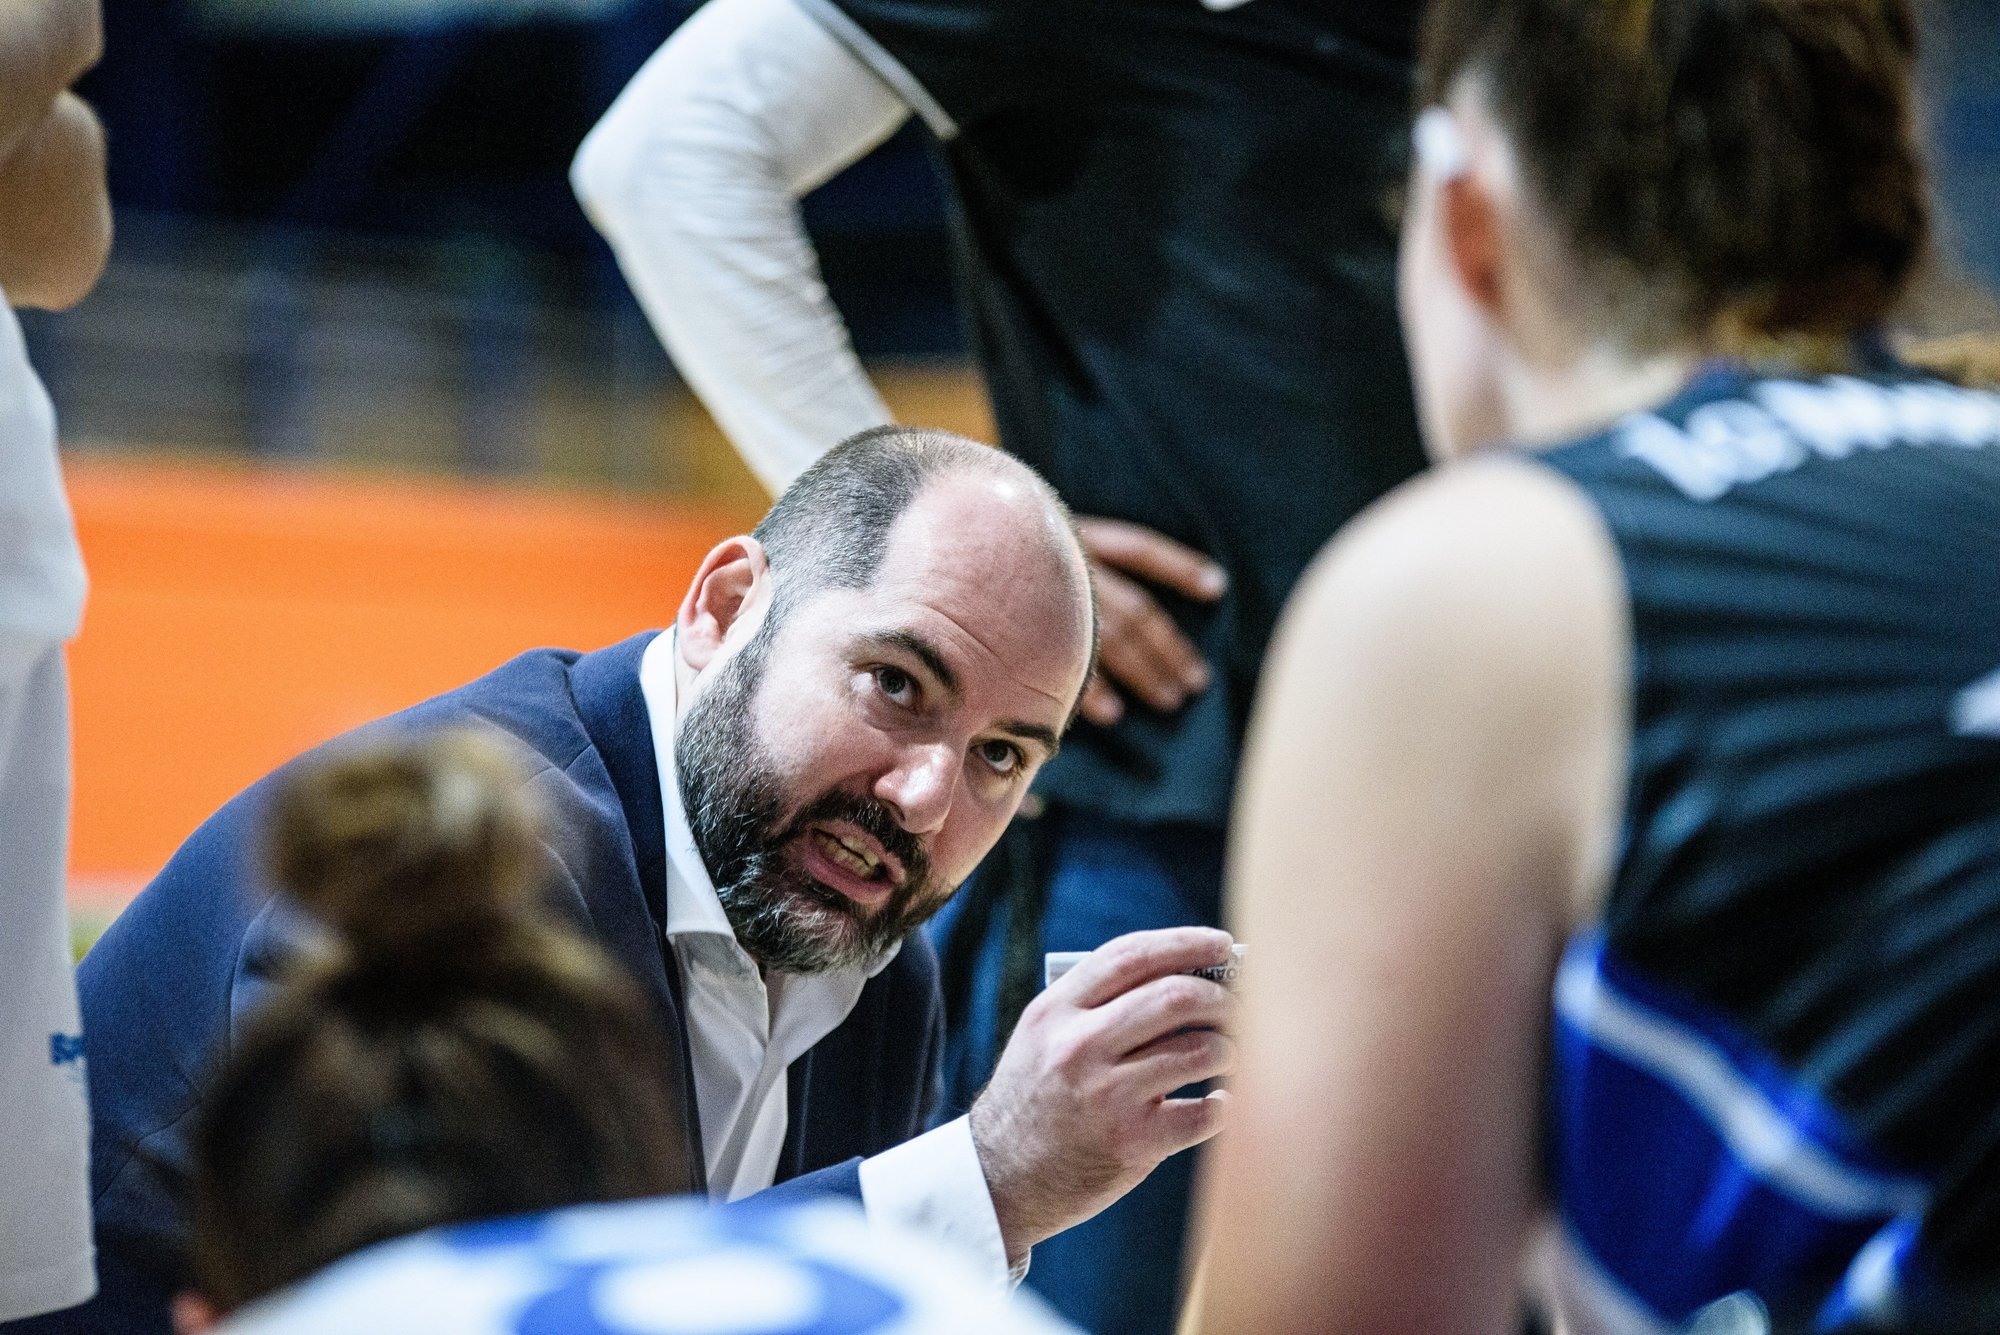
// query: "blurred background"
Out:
[362,406]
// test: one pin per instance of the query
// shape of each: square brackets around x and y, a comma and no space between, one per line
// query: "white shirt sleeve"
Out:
[935,1186]
[694,176]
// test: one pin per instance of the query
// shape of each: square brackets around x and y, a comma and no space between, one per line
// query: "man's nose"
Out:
[920,787]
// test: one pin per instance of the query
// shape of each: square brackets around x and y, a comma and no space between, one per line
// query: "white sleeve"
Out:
[694,176]
[935,1186]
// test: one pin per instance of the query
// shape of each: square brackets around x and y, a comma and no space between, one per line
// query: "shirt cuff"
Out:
[934,1184]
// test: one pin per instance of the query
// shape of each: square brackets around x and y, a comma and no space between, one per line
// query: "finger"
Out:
[1154,556]
[1179,1059]
[1181,1124]
[1163,637]
[1136,958]
[1141,648]
[1100,704]
[1151,1011]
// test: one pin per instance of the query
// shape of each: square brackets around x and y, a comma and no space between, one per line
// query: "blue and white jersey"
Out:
[1776,1065]
[656,1267]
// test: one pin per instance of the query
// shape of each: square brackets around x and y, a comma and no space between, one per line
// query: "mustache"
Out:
[874,818]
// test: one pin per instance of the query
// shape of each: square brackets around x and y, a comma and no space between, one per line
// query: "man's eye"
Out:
[897,684]
[1002,757]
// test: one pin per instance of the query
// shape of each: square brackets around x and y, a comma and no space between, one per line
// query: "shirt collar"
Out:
[692,904]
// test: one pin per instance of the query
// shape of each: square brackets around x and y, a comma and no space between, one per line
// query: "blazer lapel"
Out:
[798,1116]
[605,686]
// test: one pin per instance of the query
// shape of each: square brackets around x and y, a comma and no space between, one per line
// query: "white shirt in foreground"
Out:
[672,1267]
[745,1028]
[46,1259]
[41,566]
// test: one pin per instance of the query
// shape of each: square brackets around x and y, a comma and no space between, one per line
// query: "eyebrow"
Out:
[927,653]
[924,652]
[1034,732]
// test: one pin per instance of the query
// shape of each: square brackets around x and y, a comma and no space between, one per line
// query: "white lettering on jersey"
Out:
[1725,445]
[1976,712]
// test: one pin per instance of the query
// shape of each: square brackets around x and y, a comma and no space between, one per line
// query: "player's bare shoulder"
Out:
[1476,552]
[1488,598]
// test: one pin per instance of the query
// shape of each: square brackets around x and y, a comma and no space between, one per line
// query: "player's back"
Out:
[1777,1055]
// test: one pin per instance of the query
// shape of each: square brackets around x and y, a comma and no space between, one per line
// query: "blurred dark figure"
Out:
[1175,260]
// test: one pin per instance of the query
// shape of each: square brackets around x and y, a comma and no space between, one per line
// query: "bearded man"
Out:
[753,811]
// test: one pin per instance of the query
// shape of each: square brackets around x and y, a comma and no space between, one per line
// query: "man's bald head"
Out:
[924,629]
[831,528]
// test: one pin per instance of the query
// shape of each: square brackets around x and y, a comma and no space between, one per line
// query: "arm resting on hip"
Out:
[694,177]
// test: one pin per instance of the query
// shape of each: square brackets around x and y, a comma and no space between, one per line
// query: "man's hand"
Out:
[1140,647]
[1077,1113]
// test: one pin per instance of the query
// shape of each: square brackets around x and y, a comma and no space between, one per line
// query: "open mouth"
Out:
[852,862]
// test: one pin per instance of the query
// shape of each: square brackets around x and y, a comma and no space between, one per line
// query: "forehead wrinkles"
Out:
[984,561]
[958,629]
[996,645]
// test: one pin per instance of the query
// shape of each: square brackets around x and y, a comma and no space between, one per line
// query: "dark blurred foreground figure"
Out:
[1176,264]
[55,231]
[1621,836]
[451,1052]
[750,812]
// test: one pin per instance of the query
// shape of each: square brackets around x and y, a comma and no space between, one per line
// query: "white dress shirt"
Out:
[745,1027]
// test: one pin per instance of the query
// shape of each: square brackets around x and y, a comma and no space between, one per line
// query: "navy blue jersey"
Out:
[1777,1057]
[1177,266]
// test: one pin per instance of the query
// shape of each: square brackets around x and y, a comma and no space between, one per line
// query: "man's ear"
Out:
[194,1314]
[731,588]
[1472,226]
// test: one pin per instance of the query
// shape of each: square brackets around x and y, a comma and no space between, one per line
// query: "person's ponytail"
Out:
[449,1052]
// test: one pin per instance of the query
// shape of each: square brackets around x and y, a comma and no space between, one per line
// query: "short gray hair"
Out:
[830,528]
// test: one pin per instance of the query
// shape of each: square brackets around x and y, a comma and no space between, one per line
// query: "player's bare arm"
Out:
[1428,800]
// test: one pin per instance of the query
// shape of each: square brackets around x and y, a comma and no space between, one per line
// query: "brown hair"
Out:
[450,1053]
[1971,360]
[1733,170]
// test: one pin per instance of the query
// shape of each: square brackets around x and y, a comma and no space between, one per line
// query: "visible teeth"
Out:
[860,850]
[840,851]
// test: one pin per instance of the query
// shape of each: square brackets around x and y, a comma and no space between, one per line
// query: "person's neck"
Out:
[1551,404]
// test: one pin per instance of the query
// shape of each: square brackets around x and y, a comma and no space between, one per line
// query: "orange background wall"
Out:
[238,616]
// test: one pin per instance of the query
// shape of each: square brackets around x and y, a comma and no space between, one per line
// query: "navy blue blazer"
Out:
[166,986]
